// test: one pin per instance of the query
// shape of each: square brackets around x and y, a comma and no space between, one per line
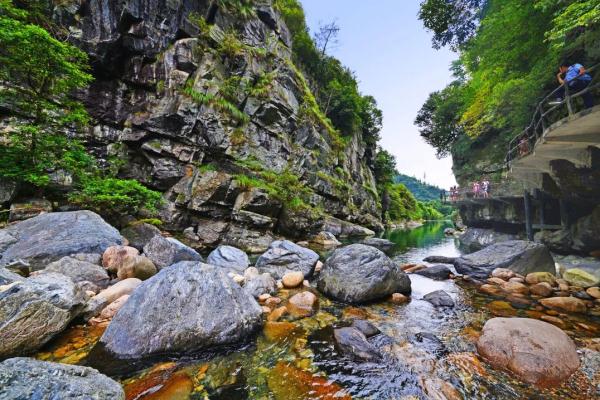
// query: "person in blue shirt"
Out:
[576,77]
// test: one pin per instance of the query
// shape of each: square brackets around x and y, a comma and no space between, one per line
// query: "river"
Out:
[428,353]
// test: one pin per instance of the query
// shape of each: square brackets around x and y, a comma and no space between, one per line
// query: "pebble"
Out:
[266,310]
[399,298]
[503,273]
[292,279]
[264,297]
[318,267]
[239,279]
[542,289]
[302,305]
[277,313]
[496,281]
[515,287]
[539,277]
[594,292]
[491,290]
[553,320]
[272,301]
[516,279]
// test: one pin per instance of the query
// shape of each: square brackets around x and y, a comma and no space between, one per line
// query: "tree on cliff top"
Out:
[38,75]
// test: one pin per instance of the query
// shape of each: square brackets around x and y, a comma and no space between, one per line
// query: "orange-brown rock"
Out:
[565,304]
[302,305]
[399,298]
[515,287]
[287,382]
[542,289]
[277,313]
[491,290]
[535,351]
[114,256]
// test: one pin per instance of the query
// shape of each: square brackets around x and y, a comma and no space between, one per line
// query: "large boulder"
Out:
[229,257]
[33,311]
[79,271]
[7,277]
[164,252]
[139,234]
[381,244]
[520,256]
[535,351]
[475,239]
[284,256]
[360,273]
[50,237]
[27,378]
[187,307]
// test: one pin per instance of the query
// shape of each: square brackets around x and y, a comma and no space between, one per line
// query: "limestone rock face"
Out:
[147,54]
[27,378]
[519,256]
[359,273]
[50,237]
[284,256]
[535,351]
[34,310]
[200,307]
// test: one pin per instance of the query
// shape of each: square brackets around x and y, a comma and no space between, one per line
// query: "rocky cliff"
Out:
[202,101]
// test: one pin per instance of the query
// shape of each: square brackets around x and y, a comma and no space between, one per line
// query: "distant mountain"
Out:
[421,190]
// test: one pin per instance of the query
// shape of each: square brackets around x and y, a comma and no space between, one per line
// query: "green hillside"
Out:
[421,190]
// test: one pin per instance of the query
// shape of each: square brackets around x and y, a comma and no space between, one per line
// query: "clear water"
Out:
[428,353]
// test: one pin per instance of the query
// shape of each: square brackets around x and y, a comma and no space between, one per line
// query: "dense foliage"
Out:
[38,75]
[421,190]
[509,51]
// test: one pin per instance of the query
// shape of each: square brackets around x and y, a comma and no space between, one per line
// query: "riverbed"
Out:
[428,352]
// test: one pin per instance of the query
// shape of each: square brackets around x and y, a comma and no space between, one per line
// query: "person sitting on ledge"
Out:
[577,79]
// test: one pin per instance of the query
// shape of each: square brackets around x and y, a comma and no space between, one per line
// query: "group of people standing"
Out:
[481,189]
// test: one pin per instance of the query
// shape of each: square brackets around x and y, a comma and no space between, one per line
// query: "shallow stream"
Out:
[428,353]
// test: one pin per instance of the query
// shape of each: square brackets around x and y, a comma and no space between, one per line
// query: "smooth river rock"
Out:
[27,378]
[50,237]
[34,310]
[284,256]
[229,257]
[519,256]
[439,298]
[360,273]
[535,351]
[188,307]
[79,271]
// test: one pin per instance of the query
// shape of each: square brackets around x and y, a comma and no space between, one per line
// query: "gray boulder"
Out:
[187,307]
[440,259]
[284,256]
[435,272]
[27,378]
[260,284]
[367,328]
[139,234]
[359,273]
[79,271]
[439,298]
[33,311]
[353,343]
[49,237]
[475,239]
[520,256]
[229,257]
[381,244]
[164,252]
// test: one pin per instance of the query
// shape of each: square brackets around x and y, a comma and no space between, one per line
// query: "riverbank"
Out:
[416,347]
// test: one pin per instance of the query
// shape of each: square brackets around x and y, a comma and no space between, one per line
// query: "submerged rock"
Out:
[187,307]
[359,273]
[439,298]
[33,311]
[164,252]
[230,258]
[565,304]
[353,343]
[50,237]
[537,352]
[27,378]
[284,256]
[519,256]
[436,272]
[367,328]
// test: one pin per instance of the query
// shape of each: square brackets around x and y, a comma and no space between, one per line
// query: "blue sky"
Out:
[390,51]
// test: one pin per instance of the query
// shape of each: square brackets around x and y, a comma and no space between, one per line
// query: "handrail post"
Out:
[568,98]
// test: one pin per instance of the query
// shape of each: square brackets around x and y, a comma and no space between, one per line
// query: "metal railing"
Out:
[524,143]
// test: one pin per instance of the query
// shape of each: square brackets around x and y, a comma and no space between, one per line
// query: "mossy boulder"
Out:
[581,278]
